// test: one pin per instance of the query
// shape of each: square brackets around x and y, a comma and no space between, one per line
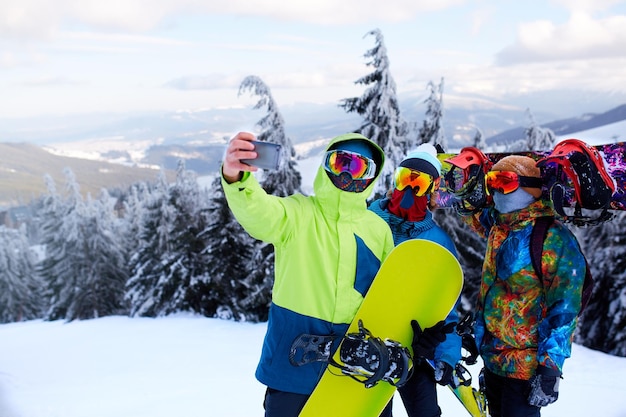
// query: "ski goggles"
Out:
[421,182]
[358,166]
[506,181]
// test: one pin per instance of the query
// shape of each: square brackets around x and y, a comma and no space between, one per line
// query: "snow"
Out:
[613,132]
[194,366]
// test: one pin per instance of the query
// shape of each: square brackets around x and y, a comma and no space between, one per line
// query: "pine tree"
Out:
[20,287]
[106,260]
[380,110]
[63,240]
[602,325]
[229,248]
[186,265]
[169,269]
[479,140]
[538,138]
[148,289]
[84,267]
[431,130]
[287,179]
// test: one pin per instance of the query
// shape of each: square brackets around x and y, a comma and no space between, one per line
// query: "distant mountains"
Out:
[112,150]
[23,167]
[566,126]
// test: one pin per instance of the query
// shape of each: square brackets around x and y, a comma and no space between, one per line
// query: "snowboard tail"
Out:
[402,291]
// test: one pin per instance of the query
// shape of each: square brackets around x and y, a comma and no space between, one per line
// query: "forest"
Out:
[160,248]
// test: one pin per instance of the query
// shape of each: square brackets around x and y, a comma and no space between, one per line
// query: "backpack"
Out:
[574,162]
[537,237]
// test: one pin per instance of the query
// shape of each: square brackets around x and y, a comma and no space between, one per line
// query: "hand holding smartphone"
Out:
[268,155]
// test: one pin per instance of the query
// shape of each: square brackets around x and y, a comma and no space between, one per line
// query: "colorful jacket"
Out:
[449,350]
[328,248]
[522,323]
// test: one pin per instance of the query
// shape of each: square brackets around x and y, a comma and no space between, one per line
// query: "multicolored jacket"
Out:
[520,322]
[328,248]
[449,350]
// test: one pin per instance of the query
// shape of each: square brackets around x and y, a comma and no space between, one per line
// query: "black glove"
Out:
[444,373]
[544,387]
[425,341]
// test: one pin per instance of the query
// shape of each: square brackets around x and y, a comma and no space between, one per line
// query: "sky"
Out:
[64,57]
[196,367]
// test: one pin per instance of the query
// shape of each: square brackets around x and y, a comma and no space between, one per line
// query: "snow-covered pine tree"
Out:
[62,236]
[538,138]
[479,140]
[431,130]
[602,325]
[229,252]
[287,179]
[186,267]
[148,289]
[132,228]
[20,287]
[102,267]
[83,268]
[379,107]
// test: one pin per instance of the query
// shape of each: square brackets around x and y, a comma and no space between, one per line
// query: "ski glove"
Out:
[544,387]
[444,373]
[426,341]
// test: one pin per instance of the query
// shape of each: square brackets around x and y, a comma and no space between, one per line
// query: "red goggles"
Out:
[421,182]
[506,181]
[358,166]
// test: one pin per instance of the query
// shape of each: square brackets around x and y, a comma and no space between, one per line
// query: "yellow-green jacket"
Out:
[328,248]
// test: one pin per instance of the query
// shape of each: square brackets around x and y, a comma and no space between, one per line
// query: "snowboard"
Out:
[419,280]
[614,156]
[472,399]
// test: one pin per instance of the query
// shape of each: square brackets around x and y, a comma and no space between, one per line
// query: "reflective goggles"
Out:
[506,181]
[358,166]
[421,182]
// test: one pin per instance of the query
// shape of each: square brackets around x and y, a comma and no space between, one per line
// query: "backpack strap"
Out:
[537,237]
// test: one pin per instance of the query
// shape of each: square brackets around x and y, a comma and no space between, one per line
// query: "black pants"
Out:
[419,394]
[283,404]
[508,397]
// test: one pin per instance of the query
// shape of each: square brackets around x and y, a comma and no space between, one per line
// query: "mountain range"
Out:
[116,150]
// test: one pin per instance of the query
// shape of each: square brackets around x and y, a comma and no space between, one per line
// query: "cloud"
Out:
[602,75]
[57,81]
[581,37]
[290,80]
[41,19]
[210,82]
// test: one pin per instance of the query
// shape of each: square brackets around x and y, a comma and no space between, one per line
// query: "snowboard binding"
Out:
[369,359]
[573,162]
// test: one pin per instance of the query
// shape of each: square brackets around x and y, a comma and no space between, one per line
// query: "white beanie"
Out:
[423,159]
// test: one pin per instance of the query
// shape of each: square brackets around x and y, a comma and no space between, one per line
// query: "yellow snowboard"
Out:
[419,280]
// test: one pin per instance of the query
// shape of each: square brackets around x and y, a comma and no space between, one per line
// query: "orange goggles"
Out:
[421,182]
[358,166]
[506,181]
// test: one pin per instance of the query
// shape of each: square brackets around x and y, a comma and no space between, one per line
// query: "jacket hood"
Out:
[324,188]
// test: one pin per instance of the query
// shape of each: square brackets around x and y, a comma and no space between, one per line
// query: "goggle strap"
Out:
[532,182]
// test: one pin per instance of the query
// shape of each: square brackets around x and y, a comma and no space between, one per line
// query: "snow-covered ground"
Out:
[197,367]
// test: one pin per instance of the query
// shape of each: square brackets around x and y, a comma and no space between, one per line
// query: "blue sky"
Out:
[63,57]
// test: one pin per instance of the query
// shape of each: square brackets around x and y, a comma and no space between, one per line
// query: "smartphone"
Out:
[268,155]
